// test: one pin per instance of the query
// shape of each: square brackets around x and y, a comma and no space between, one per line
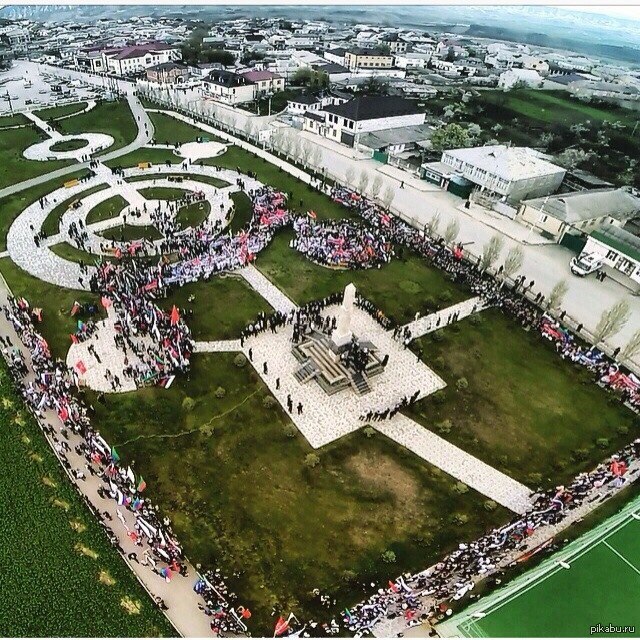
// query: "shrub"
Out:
[268,402]
[534,479]
[439,362]
[503,460]
[240,360]
[461,488]
[312,460]
[444,427]
[388,556]
[220,392]
[476,319]
[188,404]
[369,432]
[348,576]
[456,328]
[462,384]
[580,455]
[622,429]
[602,443]
[290,431]
[437,336]
[445,296]
[439,397]
[490,505]
[460,519]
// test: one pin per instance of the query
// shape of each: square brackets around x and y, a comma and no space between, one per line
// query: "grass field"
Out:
[400,288]
[602,586]
[243,211]
[109,208]
[213,181]
[51,224]
[128,232]
[525,411]
[69,145]
[61,111]
[69,252]
[10,121]
[111,118]
[14,168]
[61,577]
[193,214]
[155,156]
[162,193]
[240,496]
[168,130]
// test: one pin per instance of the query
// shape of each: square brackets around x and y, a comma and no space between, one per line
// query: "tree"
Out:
[387,196]
[433,224]
[513,261]
[612,321]
[376,185]
[349,175]
[306,149]
[474,130]
[307,77]
[311,460]
[374,86]
[363,181]
[557,294]
[225,58]
[491,251]
[571,158]
[450,136]
[451,232]
[316,157]
[632,347]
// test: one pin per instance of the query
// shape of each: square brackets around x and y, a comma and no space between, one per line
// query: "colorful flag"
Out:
[114,455]
[75,308]
[106,303]
[142,485]
[175,315]
[80,366]
[281,626]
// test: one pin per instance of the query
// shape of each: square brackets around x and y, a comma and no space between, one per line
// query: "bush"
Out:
[490,505]
[311,460]
[476,319]
[348,576]
[456,328]
[268,402]
[439,397]
[461,488]
[503,460]
[622,429]
[445,296]
[290,431]
[439,362]
[437,336]
[188,404]
[388,556]
[220,392]
[602,443]
[580,455]
[460,519]
[462,384]
[534,479]
[240,360]
[444,427]
[369,432]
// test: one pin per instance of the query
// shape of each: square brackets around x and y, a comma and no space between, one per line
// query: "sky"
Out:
[619,11]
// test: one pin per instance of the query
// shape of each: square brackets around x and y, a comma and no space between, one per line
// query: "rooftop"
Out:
[619,239]
[257,76]
[372,107]
[226,79]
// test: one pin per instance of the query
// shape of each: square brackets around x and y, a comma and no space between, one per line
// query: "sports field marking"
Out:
[606,544]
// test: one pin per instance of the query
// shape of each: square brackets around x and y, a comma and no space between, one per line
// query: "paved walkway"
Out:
[217,346]
[457,463]
[276,298]
[427,324]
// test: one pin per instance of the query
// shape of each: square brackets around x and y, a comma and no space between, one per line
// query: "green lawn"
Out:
[128,232]
[63,110]
[14,167]
[243,210]
[69,252]
[55,302]
[106,209]
[525,411]
[63,577]
[112,118]
[69,145]
[400,288]
[194,214]
[162,193]
[214,182]
[51,224]
[13,205]
[240,496]
[170,130]
[221,308]
[10,121]
[154,156]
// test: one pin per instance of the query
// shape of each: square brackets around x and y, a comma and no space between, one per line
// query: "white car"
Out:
[585,263]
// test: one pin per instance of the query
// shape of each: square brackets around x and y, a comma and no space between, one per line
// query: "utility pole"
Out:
[9,99]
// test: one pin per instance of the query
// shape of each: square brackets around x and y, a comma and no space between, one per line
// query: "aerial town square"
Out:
[319,323]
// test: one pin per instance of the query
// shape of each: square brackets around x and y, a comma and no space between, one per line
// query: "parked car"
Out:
[585,263]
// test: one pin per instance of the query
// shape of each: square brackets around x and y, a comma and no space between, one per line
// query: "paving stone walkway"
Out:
[276,298]
[434,321]
[217,346]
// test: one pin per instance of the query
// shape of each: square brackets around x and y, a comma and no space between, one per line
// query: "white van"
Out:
[585,263]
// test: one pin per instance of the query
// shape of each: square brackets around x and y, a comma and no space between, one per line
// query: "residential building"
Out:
[579,212]
[367,59]
[347,121]
[266,82]
[128,60]
[413,60]
[512,77]
[168,73]
[229,87]
[508,173]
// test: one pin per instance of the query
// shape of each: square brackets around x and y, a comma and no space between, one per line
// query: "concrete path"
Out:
[276,298]
[457,463]
[437,320]
[217,346]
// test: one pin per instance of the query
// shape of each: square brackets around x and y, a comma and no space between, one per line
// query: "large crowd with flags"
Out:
[131,291]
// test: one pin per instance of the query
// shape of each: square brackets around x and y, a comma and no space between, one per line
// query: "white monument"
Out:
[342,335]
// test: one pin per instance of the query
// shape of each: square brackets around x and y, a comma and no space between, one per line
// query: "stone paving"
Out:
[217,346]
[457,463]
[427,324]
[198,150]
[276,298]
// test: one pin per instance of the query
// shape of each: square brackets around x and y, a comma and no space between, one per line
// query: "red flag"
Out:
[106,302]
[312,214]
[118,253]
[74,339]
[63,414]
[75,308]
[281,626]
[80,366]
[175,315]
[393,587]
[246,614]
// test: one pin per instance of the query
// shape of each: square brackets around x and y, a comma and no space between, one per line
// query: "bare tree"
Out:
[491,251]
[232,120]
[452,231]
[632,347]
[433,224]
[612,321]
[317,157]
[349,175]
[388,195]
[306,149]
[557,294]
[363,181]
[248,128]
[513,261]
[376,185]
[294,149]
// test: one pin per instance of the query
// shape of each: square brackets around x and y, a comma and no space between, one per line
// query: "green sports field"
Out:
[600,587]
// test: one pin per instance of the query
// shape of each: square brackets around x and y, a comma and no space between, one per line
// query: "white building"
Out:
[510,173]
[130,60]
[413,60]
[511,77]
[229,87]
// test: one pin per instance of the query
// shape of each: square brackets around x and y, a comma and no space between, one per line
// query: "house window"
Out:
[626,266]
[611,255]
